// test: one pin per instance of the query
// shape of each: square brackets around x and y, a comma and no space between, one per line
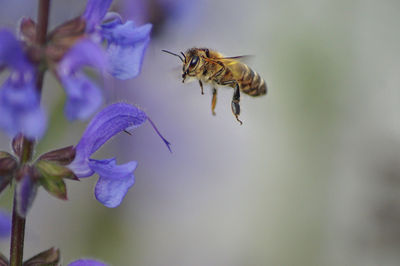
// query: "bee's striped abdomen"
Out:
[252,84]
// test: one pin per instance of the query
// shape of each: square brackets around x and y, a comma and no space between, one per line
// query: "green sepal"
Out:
[50,175]
[4,154]
[55,170]
[63,156]
[8,165]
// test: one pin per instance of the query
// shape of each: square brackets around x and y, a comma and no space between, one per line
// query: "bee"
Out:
[212,67]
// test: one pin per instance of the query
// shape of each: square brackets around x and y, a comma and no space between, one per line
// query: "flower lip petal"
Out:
[114,182]
[84,53]
[84,97]
[95,12]
[107,168]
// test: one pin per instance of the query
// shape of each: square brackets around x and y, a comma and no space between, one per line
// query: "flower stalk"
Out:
[18,222]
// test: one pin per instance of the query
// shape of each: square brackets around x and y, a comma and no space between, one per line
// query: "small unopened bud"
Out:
[63,156]
[27,30]
[17,144]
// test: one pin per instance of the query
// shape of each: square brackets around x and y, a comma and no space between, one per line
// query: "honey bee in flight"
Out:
[212,67]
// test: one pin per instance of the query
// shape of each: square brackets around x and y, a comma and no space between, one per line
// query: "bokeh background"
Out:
[312,177]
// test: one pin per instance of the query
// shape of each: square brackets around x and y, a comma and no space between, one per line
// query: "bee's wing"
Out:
[235,59]
[239,57]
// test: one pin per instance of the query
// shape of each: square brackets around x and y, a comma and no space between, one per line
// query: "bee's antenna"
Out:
[184,56]
[168,52]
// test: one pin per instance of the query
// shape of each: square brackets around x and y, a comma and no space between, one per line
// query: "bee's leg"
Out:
[201,86]
[218,73]
[235,99]
[235,103]
[214,101]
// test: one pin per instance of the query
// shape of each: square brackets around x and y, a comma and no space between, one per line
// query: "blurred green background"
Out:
[312,177]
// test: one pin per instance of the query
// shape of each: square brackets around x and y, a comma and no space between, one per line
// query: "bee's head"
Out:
[190,59]
[191,63]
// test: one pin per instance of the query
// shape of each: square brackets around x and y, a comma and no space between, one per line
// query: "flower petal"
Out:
[20,108]
[11,53]
[110,121]
[95,12]
[126,47]
[5,224]
[87,262]
[19,102]
[114,182]
[84,53]
[84,97]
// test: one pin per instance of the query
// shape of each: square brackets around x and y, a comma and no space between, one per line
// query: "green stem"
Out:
[18,222]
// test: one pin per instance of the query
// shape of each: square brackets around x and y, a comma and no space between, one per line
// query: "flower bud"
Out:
[17,144]
[27,30]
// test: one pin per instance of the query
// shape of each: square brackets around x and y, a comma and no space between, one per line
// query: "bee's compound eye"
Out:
[194,61]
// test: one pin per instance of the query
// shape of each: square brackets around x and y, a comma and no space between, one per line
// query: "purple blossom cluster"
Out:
[97,39]
[70,47]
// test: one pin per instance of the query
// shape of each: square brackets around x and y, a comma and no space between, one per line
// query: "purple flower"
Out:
[126,46]
[87,262]
[26,191]
[83,96]
[123,57]
[114,180]
[126,42]
[186,13]
[5,224]
[19,101]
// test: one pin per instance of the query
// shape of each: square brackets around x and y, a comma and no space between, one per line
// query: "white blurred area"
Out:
[312,177]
